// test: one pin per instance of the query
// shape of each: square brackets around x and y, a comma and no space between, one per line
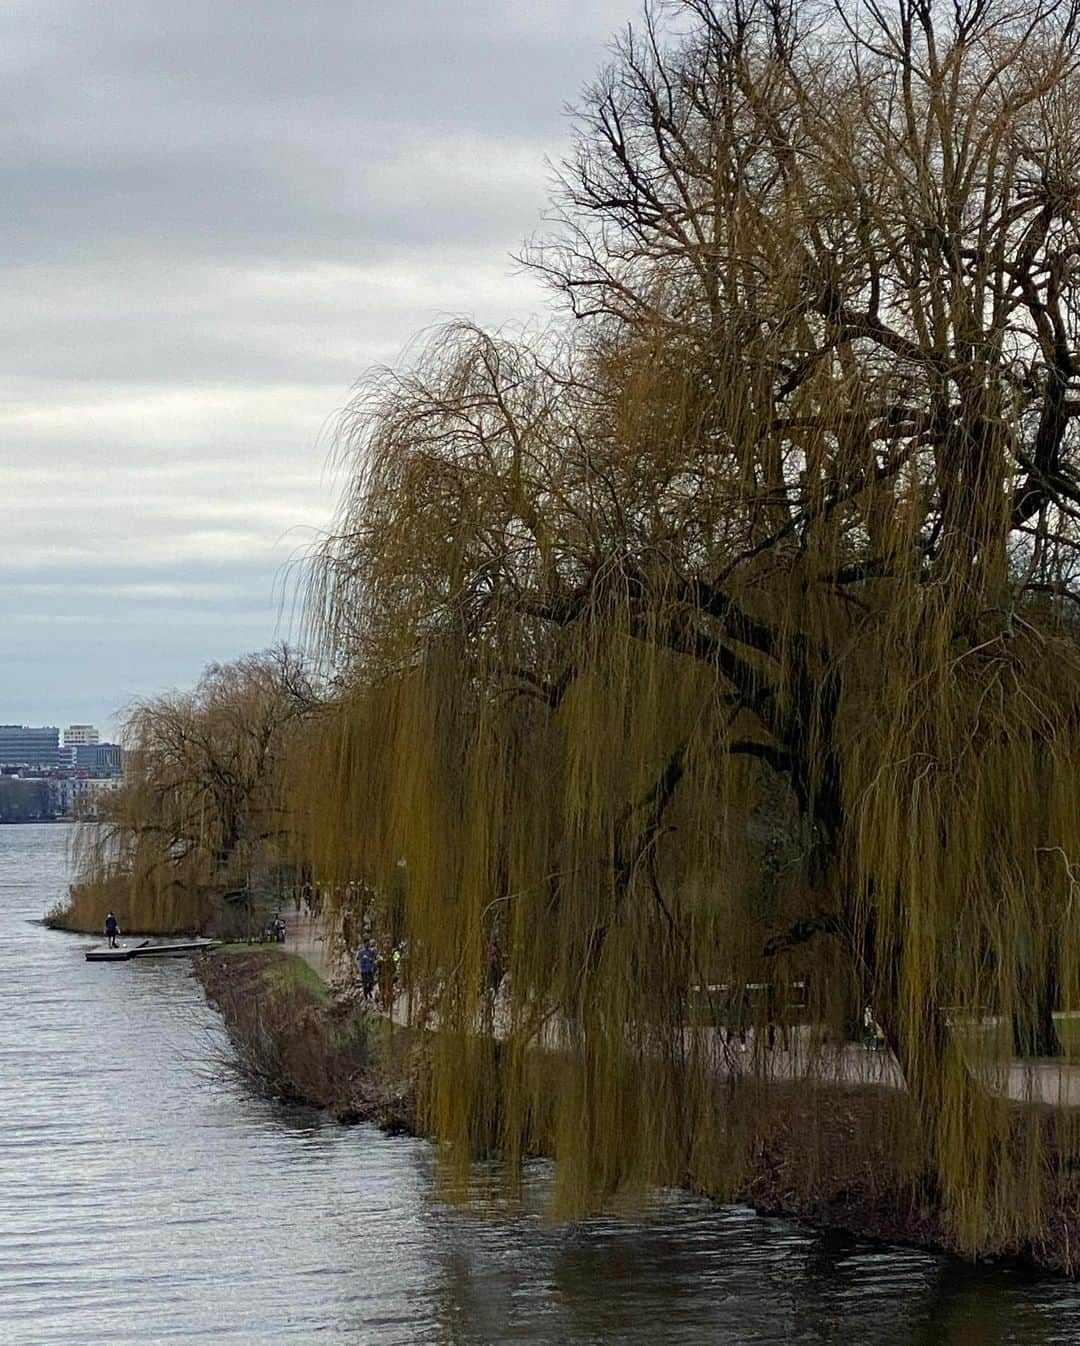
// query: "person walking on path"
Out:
[112,929]
[736,1015]
[775,1018]
[366,958]
[873,1033]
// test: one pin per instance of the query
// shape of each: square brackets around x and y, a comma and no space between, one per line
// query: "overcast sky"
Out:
[214,217]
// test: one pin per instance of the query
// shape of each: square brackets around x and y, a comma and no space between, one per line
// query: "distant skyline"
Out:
[50,722]
[213,219]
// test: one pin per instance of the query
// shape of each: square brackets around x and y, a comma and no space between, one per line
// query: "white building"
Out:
[79,798]
[80,733]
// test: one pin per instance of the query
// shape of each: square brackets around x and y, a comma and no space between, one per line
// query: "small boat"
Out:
[176,949]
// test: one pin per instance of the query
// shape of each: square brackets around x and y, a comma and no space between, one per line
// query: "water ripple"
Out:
[140,1203]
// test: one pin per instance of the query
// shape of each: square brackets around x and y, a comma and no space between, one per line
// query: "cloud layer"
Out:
[213,219]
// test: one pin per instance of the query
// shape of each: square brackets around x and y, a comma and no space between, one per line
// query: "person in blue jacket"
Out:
[366,959]
[112,929]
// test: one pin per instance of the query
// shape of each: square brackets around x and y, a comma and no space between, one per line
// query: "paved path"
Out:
[1046,1082]
[304,935]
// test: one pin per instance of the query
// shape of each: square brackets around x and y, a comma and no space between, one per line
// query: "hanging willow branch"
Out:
[742,606]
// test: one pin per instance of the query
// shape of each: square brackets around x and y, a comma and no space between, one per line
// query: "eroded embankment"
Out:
[839,1157]
[295,1040]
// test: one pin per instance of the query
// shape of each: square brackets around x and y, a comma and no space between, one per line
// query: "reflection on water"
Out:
[143,1201]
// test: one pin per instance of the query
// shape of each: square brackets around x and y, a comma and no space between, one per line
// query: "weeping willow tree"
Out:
[727,634]
[202,801]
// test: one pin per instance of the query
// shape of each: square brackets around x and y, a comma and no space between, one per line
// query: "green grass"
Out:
[991,1044]
[292,970]
[1068,1030]
[283,970]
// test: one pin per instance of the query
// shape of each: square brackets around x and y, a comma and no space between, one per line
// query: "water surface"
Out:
[144,1200]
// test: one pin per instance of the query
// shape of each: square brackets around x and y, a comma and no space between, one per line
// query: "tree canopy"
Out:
[727,631]
[725,634]
[203,801]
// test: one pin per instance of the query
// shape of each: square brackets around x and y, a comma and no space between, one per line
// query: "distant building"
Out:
[21,745]
[78,735]
[77,797]
[103,759]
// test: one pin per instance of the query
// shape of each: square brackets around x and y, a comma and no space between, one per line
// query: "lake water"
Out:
[145,1198]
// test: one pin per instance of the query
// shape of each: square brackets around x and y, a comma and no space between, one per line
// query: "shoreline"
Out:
[34,822]
[295,1039]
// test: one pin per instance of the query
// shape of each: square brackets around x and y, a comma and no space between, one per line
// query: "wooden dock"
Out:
[177,949]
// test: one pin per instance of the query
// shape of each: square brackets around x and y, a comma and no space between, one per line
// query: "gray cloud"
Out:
[213,218]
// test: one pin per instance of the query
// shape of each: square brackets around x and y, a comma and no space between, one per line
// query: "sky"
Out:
[214,218]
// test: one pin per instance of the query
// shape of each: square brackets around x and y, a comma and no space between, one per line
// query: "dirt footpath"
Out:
[305,936]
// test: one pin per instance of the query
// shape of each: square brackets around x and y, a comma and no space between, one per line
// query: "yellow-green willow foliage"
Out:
[201,804]
[728,635]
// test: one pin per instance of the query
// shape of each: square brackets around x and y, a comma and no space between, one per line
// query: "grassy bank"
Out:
[295,1040]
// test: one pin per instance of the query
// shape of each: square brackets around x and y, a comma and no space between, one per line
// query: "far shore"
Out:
[33,822]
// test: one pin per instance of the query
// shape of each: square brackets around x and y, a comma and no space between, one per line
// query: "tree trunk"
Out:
[1034,1032]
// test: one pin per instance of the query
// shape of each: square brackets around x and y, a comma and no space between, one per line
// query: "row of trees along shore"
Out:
[203,807]
[726,631]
